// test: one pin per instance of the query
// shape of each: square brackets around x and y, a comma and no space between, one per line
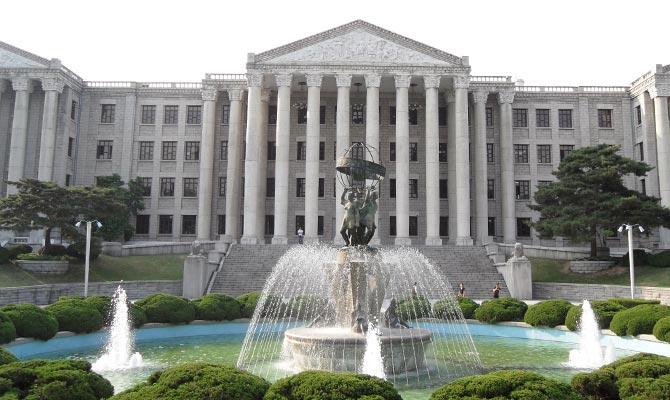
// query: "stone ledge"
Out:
[44,266]
[589,267]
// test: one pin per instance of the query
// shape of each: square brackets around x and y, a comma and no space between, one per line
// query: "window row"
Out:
[165,224]
[148,114]
[543,153]
[167,186]
[565,118]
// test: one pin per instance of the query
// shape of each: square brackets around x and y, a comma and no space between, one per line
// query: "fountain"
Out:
[345,309]
[590,354]
[118,353]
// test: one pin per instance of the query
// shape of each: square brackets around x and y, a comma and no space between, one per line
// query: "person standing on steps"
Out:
[301,235]
[461,290]
[496,290]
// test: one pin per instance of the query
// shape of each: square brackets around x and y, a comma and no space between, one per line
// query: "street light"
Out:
[88,250]
[631,265]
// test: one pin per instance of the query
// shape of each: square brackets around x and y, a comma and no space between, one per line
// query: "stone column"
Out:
[52,88]
[432,83]
[207,149]
[662,121]
[17,146]
[312,162]
[342,142]
[262,167]
[450,98]
[254,136]
[463,237]
[480,168]
[372,82]
[282,163]
[233,168]
[507,167]
[402,160]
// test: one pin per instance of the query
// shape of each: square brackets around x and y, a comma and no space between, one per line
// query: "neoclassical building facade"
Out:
[251,157]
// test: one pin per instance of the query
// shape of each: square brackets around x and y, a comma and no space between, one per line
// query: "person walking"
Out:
[496,290]
[301,235]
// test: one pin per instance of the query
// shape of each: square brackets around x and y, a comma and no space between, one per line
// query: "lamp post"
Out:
[88,250]
[631,265]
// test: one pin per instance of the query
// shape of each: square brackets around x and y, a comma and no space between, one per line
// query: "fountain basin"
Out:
[340,349]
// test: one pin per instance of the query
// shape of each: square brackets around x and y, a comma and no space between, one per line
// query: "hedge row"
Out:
[658,260]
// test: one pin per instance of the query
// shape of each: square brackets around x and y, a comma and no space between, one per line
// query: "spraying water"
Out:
[118,353]
[373,363]
[590,354]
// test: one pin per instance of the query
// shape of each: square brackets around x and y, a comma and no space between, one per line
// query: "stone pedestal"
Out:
[518,277]
[196,276]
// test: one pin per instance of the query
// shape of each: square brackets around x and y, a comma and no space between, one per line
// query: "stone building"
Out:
[250,157]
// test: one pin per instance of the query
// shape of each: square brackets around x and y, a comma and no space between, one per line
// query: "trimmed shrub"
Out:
[137,316]
[217,307]
[305,307]
[639,319]
[195,381]
[166,308]
[442,308]
[498,310]
[31,321]
[645,388]
[78,248]
[547,313]
[15,250]
[7,329]
[6,357]
[599,384]
[662,329]
[53,250]
[603,309]
[76,315]
[659,260]
[639,258]
[630,303]
[324,385]
[53,380]
[506,384]
[414,308]
[4,255]
[248,302]
[101,303]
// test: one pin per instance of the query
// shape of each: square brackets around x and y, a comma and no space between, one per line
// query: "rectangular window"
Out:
[605,118]
[564,150]
[70,146]
[638,115]
[490,189]
[146,151]
[222,186]
[301,151]
[145,184]
[392,151]
[522,190]
[413,188]
[142,224]
[222,225]
[272,114]
[392,225]
[322,151]
[242,186]
[190,187]
[272,151]
[270,187]
[68,180]
[107,113]
[521,153]
[442,152]
[319,225]
[542,183]
[322,187]
[490,155]
[148,115]
[223,152]
[520,118]
[169,151]
[358,114]
[444,226]
[225,115]
[322,115]
[300,187]
[188,224]
[170,115]
[523,227]
[442,116]
[413,116]
[492,226]
[565,118]
[167,187]
[643,186]
[392,188]
[299,222]
[165,224]
[444,189]
[639,151]
[193,115]
[302,115]
[414,151]
[73,110]
[392,115]
[544,153]
[104,151]
[192,151]
[413,225]
[542,119]
[489,117]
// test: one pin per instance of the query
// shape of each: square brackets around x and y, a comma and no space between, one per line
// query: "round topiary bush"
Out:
[101,303]
[15,250]
[443,309]
[166,308]
[197,381]
[547,313]
[7,329]
[659,260]
[324,385]
[31,321]
[76,315]
[53,380]
[498,310]
[506,384]
[248,302]
[638,320]
[599,384]
[630,303]
[662,329]
[603,309]
[137,316]
[414,308]
[217,307]
[6,357]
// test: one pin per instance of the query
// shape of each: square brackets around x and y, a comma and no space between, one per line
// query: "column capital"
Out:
[343,80]
[284,80]
[431,81]
[22,83]
[53,84]
[461,82]
[314,80]
[506,97]
[403,81]
[658,91]
[450,95]
[255,79]
[373,80]
[235,94]
[480,96]
[209,94]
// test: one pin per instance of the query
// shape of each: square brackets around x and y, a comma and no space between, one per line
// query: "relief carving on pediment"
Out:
[11,60]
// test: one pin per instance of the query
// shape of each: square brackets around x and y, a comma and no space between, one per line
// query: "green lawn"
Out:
[546,270]
[105,268]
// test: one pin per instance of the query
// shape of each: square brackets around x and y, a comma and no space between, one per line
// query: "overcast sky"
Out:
[565,42]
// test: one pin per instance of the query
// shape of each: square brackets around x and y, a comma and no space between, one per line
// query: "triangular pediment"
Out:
[358,43]
[13,57]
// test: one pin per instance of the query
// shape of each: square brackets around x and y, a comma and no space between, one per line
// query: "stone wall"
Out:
[578,292]
[116,249]
[47,294]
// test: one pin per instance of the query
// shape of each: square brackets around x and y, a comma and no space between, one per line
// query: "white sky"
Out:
[565,42]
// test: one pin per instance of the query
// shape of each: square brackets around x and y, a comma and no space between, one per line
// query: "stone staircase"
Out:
[247,267]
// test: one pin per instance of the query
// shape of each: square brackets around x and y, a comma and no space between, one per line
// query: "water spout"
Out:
[373,363]
[590,354]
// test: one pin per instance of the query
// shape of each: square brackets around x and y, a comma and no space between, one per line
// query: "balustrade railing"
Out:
[143,85]
[226,77]
[491,78]
[571,89]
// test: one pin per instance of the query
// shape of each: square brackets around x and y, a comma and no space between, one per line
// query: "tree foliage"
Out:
[117,226]
[590,197]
